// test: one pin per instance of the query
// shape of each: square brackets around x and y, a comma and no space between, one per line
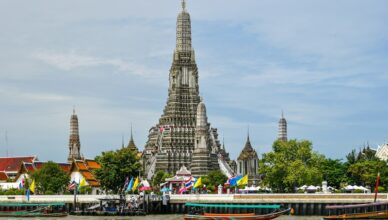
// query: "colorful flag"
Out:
[130,185]
[72,185]
[243,181]
[32,186]
[189,183]
[198,183]
[82,183]
[233,181]
[182,190]
[135,184]
[126,183]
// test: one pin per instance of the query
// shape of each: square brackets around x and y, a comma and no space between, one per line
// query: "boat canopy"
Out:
[13,204]
[258,206]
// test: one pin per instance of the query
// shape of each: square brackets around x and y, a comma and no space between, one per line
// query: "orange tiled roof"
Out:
[10,164]
[88,175]
[81,165]
[92,164]
[3,176]
[94,183]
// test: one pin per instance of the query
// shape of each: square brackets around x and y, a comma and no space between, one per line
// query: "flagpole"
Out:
[75,197]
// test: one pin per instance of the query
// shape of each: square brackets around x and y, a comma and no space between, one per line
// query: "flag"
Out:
[243,181]
[233,181]
[182,190]
[28,194]
[82,183]
[188,183]
[130,185]
[72,185]
[126,183]
[32,186]
[377,185]
[198,183]
[135,184]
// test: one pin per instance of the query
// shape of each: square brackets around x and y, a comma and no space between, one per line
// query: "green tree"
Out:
[160,177]
[291,164]
[334,172]
[51,178]
[116,166]
[213,179]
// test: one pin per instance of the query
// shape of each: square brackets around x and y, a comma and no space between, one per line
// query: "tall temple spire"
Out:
[171,142]
[183,5]
[74,140]
[131,143]
[282,132]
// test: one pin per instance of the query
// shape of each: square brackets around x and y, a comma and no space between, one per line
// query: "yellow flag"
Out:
[135,184]
[32,186]
[198,183]
[82,183]
[243,181]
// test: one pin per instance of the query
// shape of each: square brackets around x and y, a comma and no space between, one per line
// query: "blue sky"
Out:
[325,63]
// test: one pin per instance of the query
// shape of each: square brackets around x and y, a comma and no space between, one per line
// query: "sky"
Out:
[324,63]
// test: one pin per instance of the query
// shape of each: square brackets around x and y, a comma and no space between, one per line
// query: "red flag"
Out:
[377,185]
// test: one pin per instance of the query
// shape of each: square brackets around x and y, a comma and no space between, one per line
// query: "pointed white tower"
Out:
[74,140]
[282,133]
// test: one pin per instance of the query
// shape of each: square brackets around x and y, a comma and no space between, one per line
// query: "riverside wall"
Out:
[303,204]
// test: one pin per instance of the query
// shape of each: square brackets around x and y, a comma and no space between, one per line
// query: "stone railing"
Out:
[58,198]
[278,198]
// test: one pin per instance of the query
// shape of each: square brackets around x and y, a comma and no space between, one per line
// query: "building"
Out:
[203,159]
[83,169]
[74,140]
[282,133]
[171,142]
[382,152]
[248,163]
[10,165]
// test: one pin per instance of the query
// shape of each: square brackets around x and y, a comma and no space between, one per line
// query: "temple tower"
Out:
[131,144]
[74,141]
[171,142]
[202,155]
[282,133]
[248,163]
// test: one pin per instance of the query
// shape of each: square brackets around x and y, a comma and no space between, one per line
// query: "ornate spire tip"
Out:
[183,5]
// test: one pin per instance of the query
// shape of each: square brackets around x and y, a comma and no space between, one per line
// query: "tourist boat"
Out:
[376,210]
[56,209]
[197,212]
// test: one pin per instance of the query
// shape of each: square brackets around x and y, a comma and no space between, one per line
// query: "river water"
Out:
[152,217]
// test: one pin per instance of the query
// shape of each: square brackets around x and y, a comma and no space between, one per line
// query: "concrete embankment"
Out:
[303,204]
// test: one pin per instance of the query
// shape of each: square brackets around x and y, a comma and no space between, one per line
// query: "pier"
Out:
[303,204]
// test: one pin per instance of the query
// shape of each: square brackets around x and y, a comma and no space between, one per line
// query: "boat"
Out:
[372,210]
[375,210]
[197,211]
[55,209]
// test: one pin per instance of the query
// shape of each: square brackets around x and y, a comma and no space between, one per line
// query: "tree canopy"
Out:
[50,179]
[116,166]
[291,164]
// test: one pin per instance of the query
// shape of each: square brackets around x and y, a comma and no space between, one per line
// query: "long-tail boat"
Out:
[198,213]
[54,209]
[375,210]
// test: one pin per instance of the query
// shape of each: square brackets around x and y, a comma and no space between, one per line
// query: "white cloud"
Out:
[72,60]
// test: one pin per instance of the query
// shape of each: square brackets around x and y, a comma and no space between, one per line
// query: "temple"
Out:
[248,163]
[74,140]
[172,142]
[282,134]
